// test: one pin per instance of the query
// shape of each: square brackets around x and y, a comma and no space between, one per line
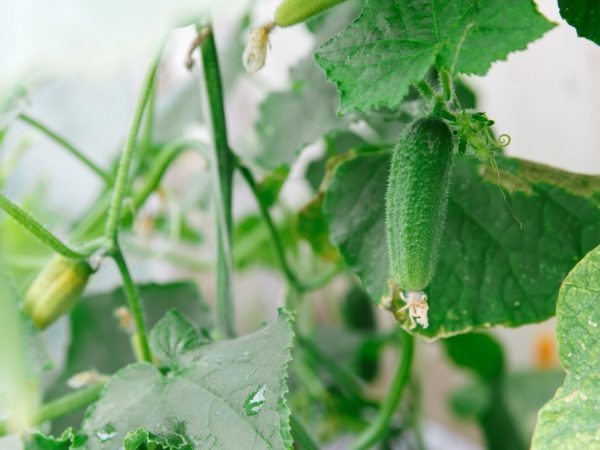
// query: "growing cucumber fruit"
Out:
[56,289]
[416,201]
[292,12]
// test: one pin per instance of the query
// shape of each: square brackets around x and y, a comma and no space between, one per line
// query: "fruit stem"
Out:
[37,229]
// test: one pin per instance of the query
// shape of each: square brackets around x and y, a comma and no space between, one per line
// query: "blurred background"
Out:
[82,69]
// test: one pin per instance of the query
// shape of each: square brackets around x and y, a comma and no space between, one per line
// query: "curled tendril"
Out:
[504,140]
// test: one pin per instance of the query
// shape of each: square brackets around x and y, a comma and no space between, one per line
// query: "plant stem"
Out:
[446,82]
[134,303]
[302,437]
[62,406]
[225,163]
[156,172]
[377,429]
[345,379]
[148,124]
[67,146]
[266,216]
[425,89]
[122,180]
[290,276]
[37,229]
[93,218]
[159,167]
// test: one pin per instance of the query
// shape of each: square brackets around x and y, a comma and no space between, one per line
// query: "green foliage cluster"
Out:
[158,367]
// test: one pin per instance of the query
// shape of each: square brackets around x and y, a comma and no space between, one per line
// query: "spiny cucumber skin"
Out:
[292,12]
[416,201]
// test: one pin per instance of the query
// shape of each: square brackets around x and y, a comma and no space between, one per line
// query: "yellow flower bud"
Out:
[56,289]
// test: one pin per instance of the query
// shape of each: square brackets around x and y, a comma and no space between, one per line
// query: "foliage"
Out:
[163,365]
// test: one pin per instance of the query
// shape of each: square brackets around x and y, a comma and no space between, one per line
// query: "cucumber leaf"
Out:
[98,342]
[511,236]
[393,43]
[570,420]
[584,15]
[226,394]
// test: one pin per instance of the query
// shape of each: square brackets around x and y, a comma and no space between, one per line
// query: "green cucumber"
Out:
[55,290]
[292,12]
[416,201]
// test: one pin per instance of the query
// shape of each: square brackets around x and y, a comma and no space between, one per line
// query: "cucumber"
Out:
[416,201]
[55,290]
[292,12]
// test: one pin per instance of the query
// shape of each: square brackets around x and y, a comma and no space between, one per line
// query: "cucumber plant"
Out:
[420,227]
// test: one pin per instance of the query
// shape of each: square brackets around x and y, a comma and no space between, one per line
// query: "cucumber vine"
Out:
[412,201]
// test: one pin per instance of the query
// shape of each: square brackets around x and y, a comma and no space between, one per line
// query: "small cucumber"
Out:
[292,12]
[55,290]
[416,200]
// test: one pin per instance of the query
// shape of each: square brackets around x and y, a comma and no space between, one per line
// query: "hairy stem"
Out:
[37,229]
[122,180]
[134,303]
[225,163]
[446,82]
[378,428]
[62,406]
[425,89]
[68,146]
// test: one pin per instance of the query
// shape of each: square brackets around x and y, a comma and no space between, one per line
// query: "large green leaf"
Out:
[571,420]
[511,237]
[584,15]
[227,395]
[394,42]
[98,342]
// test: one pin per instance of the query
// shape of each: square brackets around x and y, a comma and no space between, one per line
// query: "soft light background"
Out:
[83,62]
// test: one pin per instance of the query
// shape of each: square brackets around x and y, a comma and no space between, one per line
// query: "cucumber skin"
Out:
[416,201]
[292,12]
[55,290]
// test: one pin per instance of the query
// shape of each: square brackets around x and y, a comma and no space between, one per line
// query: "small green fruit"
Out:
[56,289]
[292,12]
[416,201]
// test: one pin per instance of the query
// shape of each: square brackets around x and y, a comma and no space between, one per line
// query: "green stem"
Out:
[225,163]
[446,82]
[148,124]
[37,229]
[159,167]
[122,180]
[266,216]
[378,428]
[93,218]
[67,146]
[425,89]
[290,276]
[62,406]
[302,438]
[344,379]
[134,303]
[156,172]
